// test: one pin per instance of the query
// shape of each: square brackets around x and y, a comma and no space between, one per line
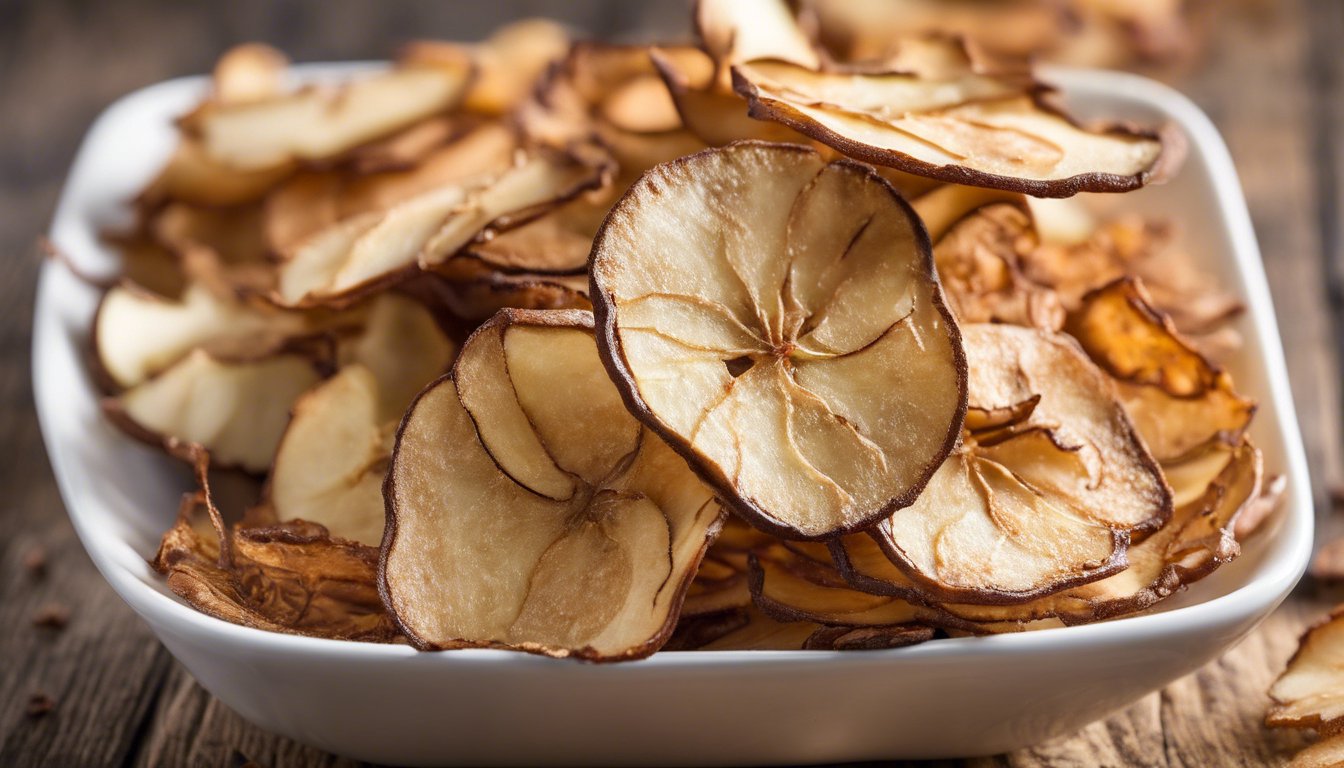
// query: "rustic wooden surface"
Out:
[1273,83]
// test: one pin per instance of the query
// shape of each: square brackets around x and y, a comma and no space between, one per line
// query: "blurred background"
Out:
[1269,73]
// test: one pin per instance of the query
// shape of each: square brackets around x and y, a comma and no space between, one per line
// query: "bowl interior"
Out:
[123,495]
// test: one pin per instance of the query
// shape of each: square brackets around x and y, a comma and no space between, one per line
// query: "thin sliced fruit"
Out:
[331,461]
[236,410]
[1310,692]
[371,250]
[777,320]
[721,582]
[137,334]
[1178,399]
[479,298]
[528,510]
[404,348]
[1193,544]
[1041,504]
[1326,753]
[291,578]
[318,123]
[964,125]
[737,31]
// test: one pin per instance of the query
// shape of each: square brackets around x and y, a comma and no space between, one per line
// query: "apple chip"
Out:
[711,111]
[528,510]
[738,31]
[787,586]
[1194,543]
[962,124]
[293,578]
[1310,692]
[1178,400]
[138,334]
[979,239]
[751,630]
[1326,753]
[330,464]
[376,249]
[404,348]
[235,409]
[777,320]
[511,60]
[721,582]
[478,299]
[317,123]
[1031,506]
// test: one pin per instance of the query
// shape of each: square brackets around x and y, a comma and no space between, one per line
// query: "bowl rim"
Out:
[1282,567]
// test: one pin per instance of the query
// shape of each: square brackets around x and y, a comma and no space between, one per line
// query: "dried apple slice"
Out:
[479,298]
[293,578]
[318,123]
[372,250]
[979,238]
[721,582]
[787,586]
[716,115]
[964,125]
[777,320]
[1194,543]
[137,334]
[236,410]
[528,443]
[330,464]
[1309,692]
[404,348]
[1178,400]
[1326,753]
[1039,504]
[757,632]
[735,32]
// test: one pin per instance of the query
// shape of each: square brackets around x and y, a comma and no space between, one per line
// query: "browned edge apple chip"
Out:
[1310,692]
[778,321]
[1031,506]
[527,510]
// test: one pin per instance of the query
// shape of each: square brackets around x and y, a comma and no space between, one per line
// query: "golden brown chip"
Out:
[979,238]
[961,123]
[1194,543]
[778,321]
[528,510]
[1326,753]
[292,578]
[1178,400]
[1041,503]
[1310,692]
[720,584]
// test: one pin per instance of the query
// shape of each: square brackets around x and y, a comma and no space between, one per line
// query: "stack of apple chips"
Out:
[592,350]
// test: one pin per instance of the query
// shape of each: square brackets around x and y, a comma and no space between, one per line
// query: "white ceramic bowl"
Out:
[392,704]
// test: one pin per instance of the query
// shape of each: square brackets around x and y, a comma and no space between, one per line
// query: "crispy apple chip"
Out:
[721,582]
[777,320]
[528,510]
[979,238]
[1177,398]
[958,122]
[1310,692]
[371,250]
[479,298]
[235,409]
[291,578]
[1041,498]
[318,122]
[138,334]
[330,463]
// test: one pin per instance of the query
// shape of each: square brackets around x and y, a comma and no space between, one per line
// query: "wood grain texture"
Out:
[1273,85]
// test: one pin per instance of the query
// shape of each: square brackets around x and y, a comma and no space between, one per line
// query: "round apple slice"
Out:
[778,321]
[528,510]
[1041,498]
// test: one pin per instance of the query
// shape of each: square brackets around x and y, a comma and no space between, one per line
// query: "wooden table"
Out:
[1274,84]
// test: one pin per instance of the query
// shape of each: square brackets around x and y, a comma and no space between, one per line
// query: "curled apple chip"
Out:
[1310,692]
[291,578]
[1176,397]
[960,123]
[401,344]
[330,463]
[317,123]
[138,334]
[1326,753]
[528,510]
[1211,495]
[712,112]
[721,582]
[777,320]
[735,32]
[1044,496]
[235,409]
[979,239]
[372,250]
[787,586]
[479,298]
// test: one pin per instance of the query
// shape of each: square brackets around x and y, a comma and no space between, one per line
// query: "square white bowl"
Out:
[392,704]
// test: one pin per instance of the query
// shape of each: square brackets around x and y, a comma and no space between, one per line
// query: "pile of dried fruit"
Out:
[672,365]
